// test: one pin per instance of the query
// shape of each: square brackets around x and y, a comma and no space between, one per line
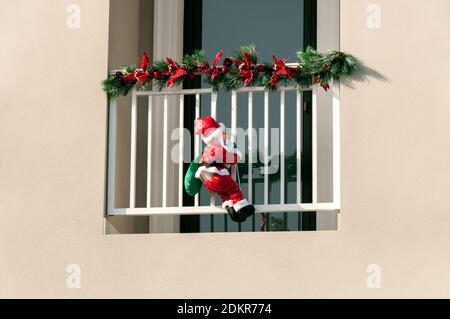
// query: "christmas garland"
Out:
[240,70]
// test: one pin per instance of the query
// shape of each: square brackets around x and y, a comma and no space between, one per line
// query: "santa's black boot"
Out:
[246,211]
[234,216]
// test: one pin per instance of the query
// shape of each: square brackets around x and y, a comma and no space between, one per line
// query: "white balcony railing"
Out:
[213,208]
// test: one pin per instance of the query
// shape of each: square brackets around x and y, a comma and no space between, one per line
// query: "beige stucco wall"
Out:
[395,172]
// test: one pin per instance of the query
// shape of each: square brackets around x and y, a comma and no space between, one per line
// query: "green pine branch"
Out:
[314,67]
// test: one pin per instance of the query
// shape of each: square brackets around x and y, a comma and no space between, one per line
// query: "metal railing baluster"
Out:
[336,145]
[165,151]
[282,147]
[214,115]
[266,155]
[299,145]
[250,154]
[133,149]
[282,152]
[314,144]
[233,126]
[149,151]
[299,124]
[181,155]
[197,141]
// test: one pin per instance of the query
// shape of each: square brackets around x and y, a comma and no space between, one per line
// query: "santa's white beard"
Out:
[216,139]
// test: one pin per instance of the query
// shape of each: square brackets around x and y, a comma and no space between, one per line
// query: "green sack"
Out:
[192,185]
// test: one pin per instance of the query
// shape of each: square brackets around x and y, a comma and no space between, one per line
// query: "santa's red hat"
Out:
[205,126]
[210,129]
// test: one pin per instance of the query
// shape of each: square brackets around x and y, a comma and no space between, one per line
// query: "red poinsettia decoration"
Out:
[213,71]
[246,69]
[280,68]
[176,72]
[140,74]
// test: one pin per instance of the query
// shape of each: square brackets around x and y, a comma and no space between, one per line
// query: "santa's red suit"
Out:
[217,157]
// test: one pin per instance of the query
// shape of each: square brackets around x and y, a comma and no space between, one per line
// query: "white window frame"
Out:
[162,43]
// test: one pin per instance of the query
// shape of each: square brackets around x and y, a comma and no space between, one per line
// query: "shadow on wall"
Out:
[363,74]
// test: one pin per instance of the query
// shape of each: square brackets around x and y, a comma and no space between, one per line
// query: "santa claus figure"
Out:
[212,168]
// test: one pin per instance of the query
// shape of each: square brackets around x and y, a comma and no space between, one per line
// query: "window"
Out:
[288,199]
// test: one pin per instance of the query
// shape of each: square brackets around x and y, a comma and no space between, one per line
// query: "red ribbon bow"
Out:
[141,74]
[280,68]
[213,71]
[175,72]
[246,69]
